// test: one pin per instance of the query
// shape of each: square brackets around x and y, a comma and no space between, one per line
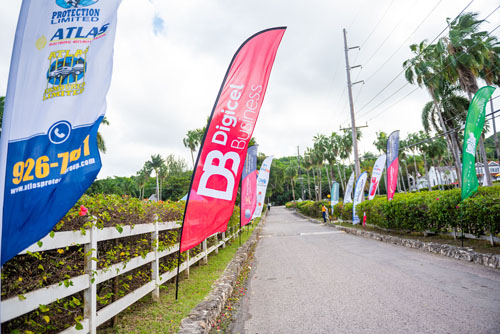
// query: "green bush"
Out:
[374,210]
[347,212]
[337,210]
[437,211]
[31,271]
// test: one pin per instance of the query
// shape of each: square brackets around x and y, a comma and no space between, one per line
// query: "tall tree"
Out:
[156,164]
[192,141]
[470,54]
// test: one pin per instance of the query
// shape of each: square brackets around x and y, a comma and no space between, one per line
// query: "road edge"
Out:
[203,316]
[459,253]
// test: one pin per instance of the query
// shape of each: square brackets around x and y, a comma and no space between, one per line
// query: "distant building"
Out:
[448,175]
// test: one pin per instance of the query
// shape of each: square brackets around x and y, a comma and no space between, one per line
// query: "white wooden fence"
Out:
[15,307]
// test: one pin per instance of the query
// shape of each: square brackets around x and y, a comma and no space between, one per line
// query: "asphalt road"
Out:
[311,278]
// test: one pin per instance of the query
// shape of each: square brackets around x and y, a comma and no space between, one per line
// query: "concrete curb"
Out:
[204,315]
[459,253]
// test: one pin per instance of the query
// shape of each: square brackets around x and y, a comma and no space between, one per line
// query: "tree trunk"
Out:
[192,159]
[157,188]
[331,175]
[308,184]
[345,178]
[320,196]
[427,173]
[315,186]
[293,189]
[416,172]
[495,137]
[401,177]
[482,152]
[452,144]
[341,179]
[328,177]
[408,177]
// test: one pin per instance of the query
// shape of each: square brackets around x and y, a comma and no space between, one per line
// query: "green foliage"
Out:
[31,271]
[437,211]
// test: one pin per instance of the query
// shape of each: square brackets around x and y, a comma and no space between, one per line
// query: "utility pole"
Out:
[301,180]
[351,104]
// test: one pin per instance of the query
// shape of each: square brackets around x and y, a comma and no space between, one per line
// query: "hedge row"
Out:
[438,211]
[25,273]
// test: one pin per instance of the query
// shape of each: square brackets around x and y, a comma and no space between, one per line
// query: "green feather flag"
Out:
[473,128]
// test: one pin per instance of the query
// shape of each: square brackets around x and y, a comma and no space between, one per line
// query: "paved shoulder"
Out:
[310,278]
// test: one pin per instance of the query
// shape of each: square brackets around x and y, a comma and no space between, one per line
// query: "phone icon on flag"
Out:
[59,132]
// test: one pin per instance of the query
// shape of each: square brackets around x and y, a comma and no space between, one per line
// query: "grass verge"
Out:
[224,322]
[165,316]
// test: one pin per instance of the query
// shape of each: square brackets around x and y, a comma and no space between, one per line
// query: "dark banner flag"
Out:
[249,186]
[392,163]
[221,158]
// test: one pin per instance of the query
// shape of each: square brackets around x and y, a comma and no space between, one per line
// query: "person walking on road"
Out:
[323,211]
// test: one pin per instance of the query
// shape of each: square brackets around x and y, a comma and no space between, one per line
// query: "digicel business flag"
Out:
[221,158]
[56,98]
[392,164]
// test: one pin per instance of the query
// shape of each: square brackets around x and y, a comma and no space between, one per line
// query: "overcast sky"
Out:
[171,57]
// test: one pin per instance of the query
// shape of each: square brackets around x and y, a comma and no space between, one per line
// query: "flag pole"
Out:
[241,201]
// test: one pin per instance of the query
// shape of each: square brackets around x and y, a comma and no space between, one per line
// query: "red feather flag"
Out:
[216,176]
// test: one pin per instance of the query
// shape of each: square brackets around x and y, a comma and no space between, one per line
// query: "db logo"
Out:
[210,169]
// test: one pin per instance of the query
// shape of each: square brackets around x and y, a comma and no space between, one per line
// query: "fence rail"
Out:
[14,307]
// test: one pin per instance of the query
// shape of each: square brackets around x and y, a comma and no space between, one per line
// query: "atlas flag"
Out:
[249,186]
[262,182]
[59,76]
[214,184]
[378,169]
[392,163]
[472,132]
[359,194]
[334,194]
[348,191]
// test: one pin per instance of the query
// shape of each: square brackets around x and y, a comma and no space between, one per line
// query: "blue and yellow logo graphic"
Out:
[66,73]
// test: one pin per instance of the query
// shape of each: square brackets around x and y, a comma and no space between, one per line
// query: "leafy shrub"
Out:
[28,272]
[438,211]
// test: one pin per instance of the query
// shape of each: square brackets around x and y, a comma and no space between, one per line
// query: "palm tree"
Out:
[423,69]
[291,172]
[142,178]
[410,145]
[436,150]
[307,164]
[101,145]
[192,141]
[156,164]
[470,54]
[381,142]
[321,147]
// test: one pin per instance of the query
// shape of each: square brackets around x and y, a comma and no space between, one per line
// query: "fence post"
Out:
[187,269]
[90,294]
[205,251]
[217,243]
[155,272]
[224,239]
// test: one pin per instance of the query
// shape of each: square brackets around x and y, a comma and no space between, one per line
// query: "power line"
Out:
[414,90]
[402,44]
[403,18]
[447,132]
[378,23]
[406,40]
